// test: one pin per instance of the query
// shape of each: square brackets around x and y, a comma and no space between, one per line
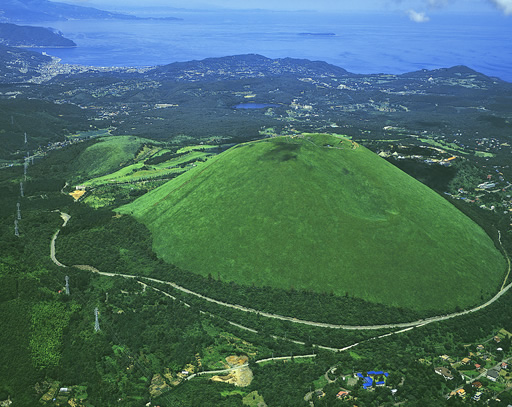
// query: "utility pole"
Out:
[96,322]
[16,230]
[21,189]
[19,211]
[67,285]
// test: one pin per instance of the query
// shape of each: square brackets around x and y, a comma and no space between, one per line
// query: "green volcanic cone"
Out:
[321,213]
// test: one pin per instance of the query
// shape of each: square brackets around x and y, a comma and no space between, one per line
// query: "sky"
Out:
[417,10]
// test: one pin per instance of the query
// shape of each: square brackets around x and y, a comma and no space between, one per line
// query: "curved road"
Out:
[406,325]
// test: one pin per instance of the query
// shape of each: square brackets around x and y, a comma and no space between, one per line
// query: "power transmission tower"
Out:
[19,211]
[96,322]
[25,166]
[16,230]
[25,138]
[67,287]
[21,190]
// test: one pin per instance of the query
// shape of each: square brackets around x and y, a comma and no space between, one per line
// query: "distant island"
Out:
[27,36]
[319,34]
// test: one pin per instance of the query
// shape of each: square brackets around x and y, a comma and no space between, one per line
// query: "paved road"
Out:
[404,325]
[65,217]
[52,250]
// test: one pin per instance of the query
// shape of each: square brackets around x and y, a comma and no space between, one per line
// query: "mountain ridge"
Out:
[44,10]
[28,36]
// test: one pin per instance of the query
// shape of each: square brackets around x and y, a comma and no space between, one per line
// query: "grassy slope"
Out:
[108,155]
[116,153]
[288,213]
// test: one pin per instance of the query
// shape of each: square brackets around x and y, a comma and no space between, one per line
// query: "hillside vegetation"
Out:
[321,213]
[109,155]
[16,35]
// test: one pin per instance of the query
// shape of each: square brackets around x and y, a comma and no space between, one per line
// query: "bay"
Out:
[378,43]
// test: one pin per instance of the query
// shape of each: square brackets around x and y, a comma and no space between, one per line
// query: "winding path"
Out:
[404,325]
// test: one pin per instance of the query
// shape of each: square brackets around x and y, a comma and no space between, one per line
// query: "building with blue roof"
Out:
[368,381]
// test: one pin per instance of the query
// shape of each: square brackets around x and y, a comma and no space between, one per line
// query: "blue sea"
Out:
[380,43]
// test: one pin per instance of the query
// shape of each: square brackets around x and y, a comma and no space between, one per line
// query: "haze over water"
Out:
[362,43]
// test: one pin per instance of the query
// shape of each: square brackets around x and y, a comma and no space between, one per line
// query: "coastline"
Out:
[45,46]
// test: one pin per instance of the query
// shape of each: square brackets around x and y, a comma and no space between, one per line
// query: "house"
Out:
[477,385]
[444,357]
[480,347]
[444,372]
[477,366]
[504,365]
[342,394]
[319,394]
[477,396]
[465,361]
[461,392]
[497,339]
[382,383]
[493,374]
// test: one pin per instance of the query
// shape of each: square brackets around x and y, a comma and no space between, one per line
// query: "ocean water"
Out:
[383,43]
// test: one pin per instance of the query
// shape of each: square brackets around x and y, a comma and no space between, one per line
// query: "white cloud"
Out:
[503,5]
[417,17]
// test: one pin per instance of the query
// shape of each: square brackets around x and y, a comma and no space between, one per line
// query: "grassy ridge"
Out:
[124,159]
[108,155]
[321,213]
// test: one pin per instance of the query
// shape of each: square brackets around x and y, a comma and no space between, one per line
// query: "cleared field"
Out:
[321,213]
[141,171]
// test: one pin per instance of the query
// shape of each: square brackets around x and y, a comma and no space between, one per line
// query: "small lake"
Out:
[254,105]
